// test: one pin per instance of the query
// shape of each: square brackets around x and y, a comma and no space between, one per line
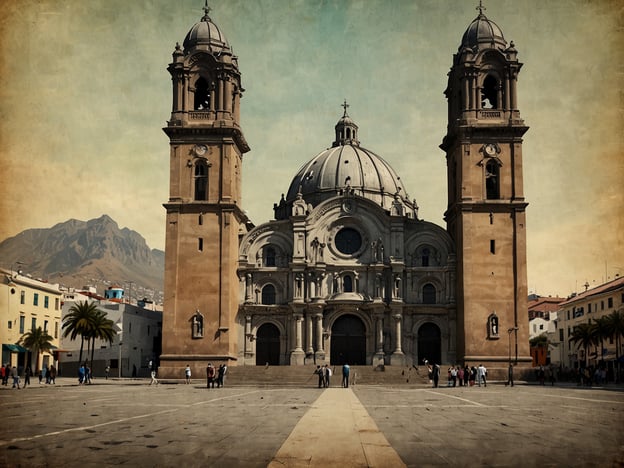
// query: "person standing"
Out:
[52,373]
[210,375]
[27,374]
[345,375]
[510,375]
[328,374]
[221,375]
[436,375]
[319,372]
[187,374]
[106,372]
[482,375]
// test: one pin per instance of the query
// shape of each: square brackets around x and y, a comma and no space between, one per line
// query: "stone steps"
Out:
[305,376]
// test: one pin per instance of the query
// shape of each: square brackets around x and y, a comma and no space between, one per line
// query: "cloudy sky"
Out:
[85,94]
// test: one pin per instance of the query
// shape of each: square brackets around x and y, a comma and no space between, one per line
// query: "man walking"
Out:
[436,375]
[510,375]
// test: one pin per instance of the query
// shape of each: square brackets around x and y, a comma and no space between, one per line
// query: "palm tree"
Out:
[600,330]
[79,321]
[615,329]
[35,341]
[584,336]
[100,328]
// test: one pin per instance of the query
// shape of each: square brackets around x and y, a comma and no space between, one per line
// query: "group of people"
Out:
[215,375]
[84,374]
[325,373]
[7,372]
[459,376]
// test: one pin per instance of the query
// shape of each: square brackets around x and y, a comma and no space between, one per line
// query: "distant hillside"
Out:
[80,253]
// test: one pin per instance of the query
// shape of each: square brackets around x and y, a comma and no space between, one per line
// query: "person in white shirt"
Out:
[481,375]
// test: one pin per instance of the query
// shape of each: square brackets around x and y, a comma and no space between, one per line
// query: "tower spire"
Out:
[345,106]
[207,10]
[480,8]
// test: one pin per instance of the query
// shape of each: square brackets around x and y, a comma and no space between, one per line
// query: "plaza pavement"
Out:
[129,423]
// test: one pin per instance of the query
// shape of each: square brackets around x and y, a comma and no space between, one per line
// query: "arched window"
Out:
[489,93]
[202,95]
[201,181]
[269,257]
[268,295]
[425,257]
[429,294]
[492,186]
[347,283]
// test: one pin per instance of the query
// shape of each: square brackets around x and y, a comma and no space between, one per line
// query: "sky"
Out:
[85,93]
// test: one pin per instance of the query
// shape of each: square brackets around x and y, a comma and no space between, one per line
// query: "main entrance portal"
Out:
[429,344]
[348,341]
[268,345]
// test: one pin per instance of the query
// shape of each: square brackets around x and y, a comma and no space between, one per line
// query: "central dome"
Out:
[347,167]
[206,35]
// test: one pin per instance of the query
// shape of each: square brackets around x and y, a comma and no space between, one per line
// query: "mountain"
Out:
[94,253]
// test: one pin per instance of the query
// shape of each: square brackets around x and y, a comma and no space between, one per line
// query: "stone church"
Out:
[346,271]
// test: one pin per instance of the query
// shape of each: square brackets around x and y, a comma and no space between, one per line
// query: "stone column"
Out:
[397,358]
[320,352]
[309,334]
[297,356]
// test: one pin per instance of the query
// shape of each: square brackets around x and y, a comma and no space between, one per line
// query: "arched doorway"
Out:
[348,341]
[268,345]
[429,343]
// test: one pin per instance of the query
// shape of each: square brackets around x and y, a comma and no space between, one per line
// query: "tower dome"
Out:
[347,167]
[483,33]
[206,35]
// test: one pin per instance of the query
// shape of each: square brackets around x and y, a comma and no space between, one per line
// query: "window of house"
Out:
[46,302]
[36,299]
[200,244]
[56,303]
[201,180]
[22,297]
[492,175]
[429,294]
[425,257]
[268,294]
[489,93]
[347,284]
[610,302]
[561,334]
[589,308]
[56,329]
[10,325]
[202,94]
[492,246]
[45,325]
[269,257]
[22,321]
[33,325]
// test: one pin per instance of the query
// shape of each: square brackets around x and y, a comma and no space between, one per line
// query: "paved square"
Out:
[130,423]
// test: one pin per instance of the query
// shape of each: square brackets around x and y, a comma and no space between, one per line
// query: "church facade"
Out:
[346,272]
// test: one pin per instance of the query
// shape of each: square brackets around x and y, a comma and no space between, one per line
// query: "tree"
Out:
[100,328]
[584,336]
[600,330]
[615,329]
[36,341]
[78,322]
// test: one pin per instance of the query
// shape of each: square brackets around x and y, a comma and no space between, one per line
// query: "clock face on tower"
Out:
[490,150]
[200,150]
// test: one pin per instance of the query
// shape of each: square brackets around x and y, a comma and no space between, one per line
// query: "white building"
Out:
[138,339]
[587,307]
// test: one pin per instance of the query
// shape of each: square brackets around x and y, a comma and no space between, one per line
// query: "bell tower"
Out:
[204,215]
[486,205]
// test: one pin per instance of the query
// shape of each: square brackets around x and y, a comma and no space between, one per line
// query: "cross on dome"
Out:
[480,7]
[345,105]
[207,10]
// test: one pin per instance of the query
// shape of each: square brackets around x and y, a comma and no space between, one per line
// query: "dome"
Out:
[348,167]
[483,33]
[206,35]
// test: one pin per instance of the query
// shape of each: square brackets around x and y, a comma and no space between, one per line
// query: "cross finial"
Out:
[345,105]
[206,9]
[480,7]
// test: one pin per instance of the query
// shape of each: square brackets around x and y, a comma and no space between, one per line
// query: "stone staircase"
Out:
[304,376]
